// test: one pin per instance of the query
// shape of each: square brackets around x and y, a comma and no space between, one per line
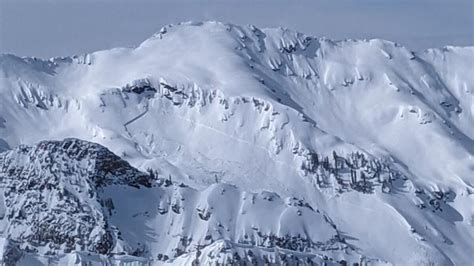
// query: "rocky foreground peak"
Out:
[51,194]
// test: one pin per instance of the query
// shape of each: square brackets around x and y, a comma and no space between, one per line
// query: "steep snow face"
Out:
[359,128]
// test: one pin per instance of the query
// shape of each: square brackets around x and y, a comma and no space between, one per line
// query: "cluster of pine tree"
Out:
[355,171]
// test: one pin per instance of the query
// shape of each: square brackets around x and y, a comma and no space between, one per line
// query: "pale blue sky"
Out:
[59,28]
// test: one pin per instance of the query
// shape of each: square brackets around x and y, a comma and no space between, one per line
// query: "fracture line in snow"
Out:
[137,117]
[233,137]
[137,145]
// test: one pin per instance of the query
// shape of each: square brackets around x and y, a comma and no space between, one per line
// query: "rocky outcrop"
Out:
[51,194]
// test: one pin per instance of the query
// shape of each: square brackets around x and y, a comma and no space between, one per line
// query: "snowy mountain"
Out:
[289,149]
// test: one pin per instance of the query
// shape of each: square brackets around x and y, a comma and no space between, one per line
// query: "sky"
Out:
[50,28]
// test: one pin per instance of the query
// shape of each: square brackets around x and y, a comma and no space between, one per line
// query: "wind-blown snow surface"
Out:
[376,137]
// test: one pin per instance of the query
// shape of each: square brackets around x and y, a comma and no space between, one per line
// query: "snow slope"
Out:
[379,138]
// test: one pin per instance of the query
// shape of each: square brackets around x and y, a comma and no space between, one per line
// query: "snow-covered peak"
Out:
[361,128]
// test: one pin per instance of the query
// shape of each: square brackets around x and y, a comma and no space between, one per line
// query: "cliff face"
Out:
[51,195]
